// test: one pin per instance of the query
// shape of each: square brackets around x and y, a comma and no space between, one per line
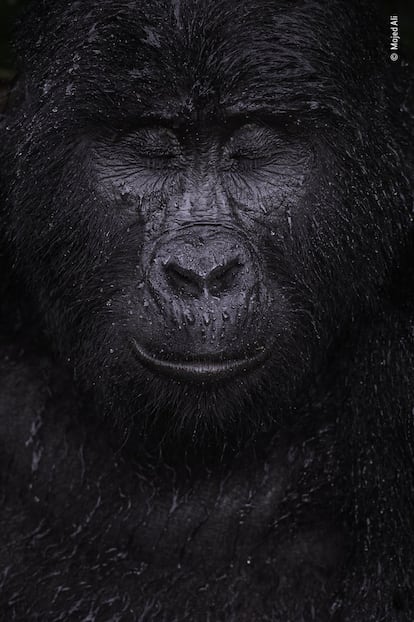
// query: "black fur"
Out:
[283,493]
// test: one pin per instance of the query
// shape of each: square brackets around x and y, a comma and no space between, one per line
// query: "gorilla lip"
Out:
[199,370]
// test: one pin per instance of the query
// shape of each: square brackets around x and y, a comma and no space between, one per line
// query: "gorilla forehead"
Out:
[195,55]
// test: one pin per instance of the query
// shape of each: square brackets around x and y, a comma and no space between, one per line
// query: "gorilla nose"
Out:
[203,262]
[194,276]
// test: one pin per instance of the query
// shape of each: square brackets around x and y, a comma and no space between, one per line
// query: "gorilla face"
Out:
[201,303]
[191,208]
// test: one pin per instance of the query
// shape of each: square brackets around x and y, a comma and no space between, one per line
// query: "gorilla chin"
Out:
[208,401]
[205,398]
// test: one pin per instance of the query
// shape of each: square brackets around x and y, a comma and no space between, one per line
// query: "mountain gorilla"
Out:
[205,408]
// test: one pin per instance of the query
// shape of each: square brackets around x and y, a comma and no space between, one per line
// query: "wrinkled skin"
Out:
[205,204]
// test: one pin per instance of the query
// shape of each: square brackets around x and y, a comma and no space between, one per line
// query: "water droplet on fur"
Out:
[189,316]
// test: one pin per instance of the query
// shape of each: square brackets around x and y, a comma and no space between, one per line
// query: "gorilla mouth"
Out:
[200,369]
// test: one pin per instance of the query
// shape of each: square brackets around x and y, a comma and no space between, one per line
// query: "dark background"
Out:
[9,10]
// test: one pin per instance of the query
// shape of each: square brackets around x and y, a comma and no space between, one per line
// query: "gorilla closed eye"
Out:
[148,142]
[245,143]
[252,142]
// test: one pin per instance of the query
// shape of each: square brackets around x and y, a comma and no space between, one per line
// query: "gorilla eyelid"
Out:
[150,141]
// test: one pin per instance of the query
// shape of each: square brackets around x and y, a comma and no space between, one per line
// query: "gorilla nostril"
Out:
[183,280]
[222,278]
[187,281]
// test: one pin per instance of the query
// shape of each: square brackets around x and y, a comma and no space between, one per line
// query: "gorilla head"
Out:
[199,198]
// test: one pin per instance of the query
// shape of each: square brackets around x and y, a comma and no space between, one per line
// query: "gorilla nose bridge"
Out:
[203,202]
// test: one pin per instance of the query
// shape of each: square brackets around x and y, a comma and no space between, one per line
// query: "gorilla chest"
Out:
[250,541]
[255,537]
